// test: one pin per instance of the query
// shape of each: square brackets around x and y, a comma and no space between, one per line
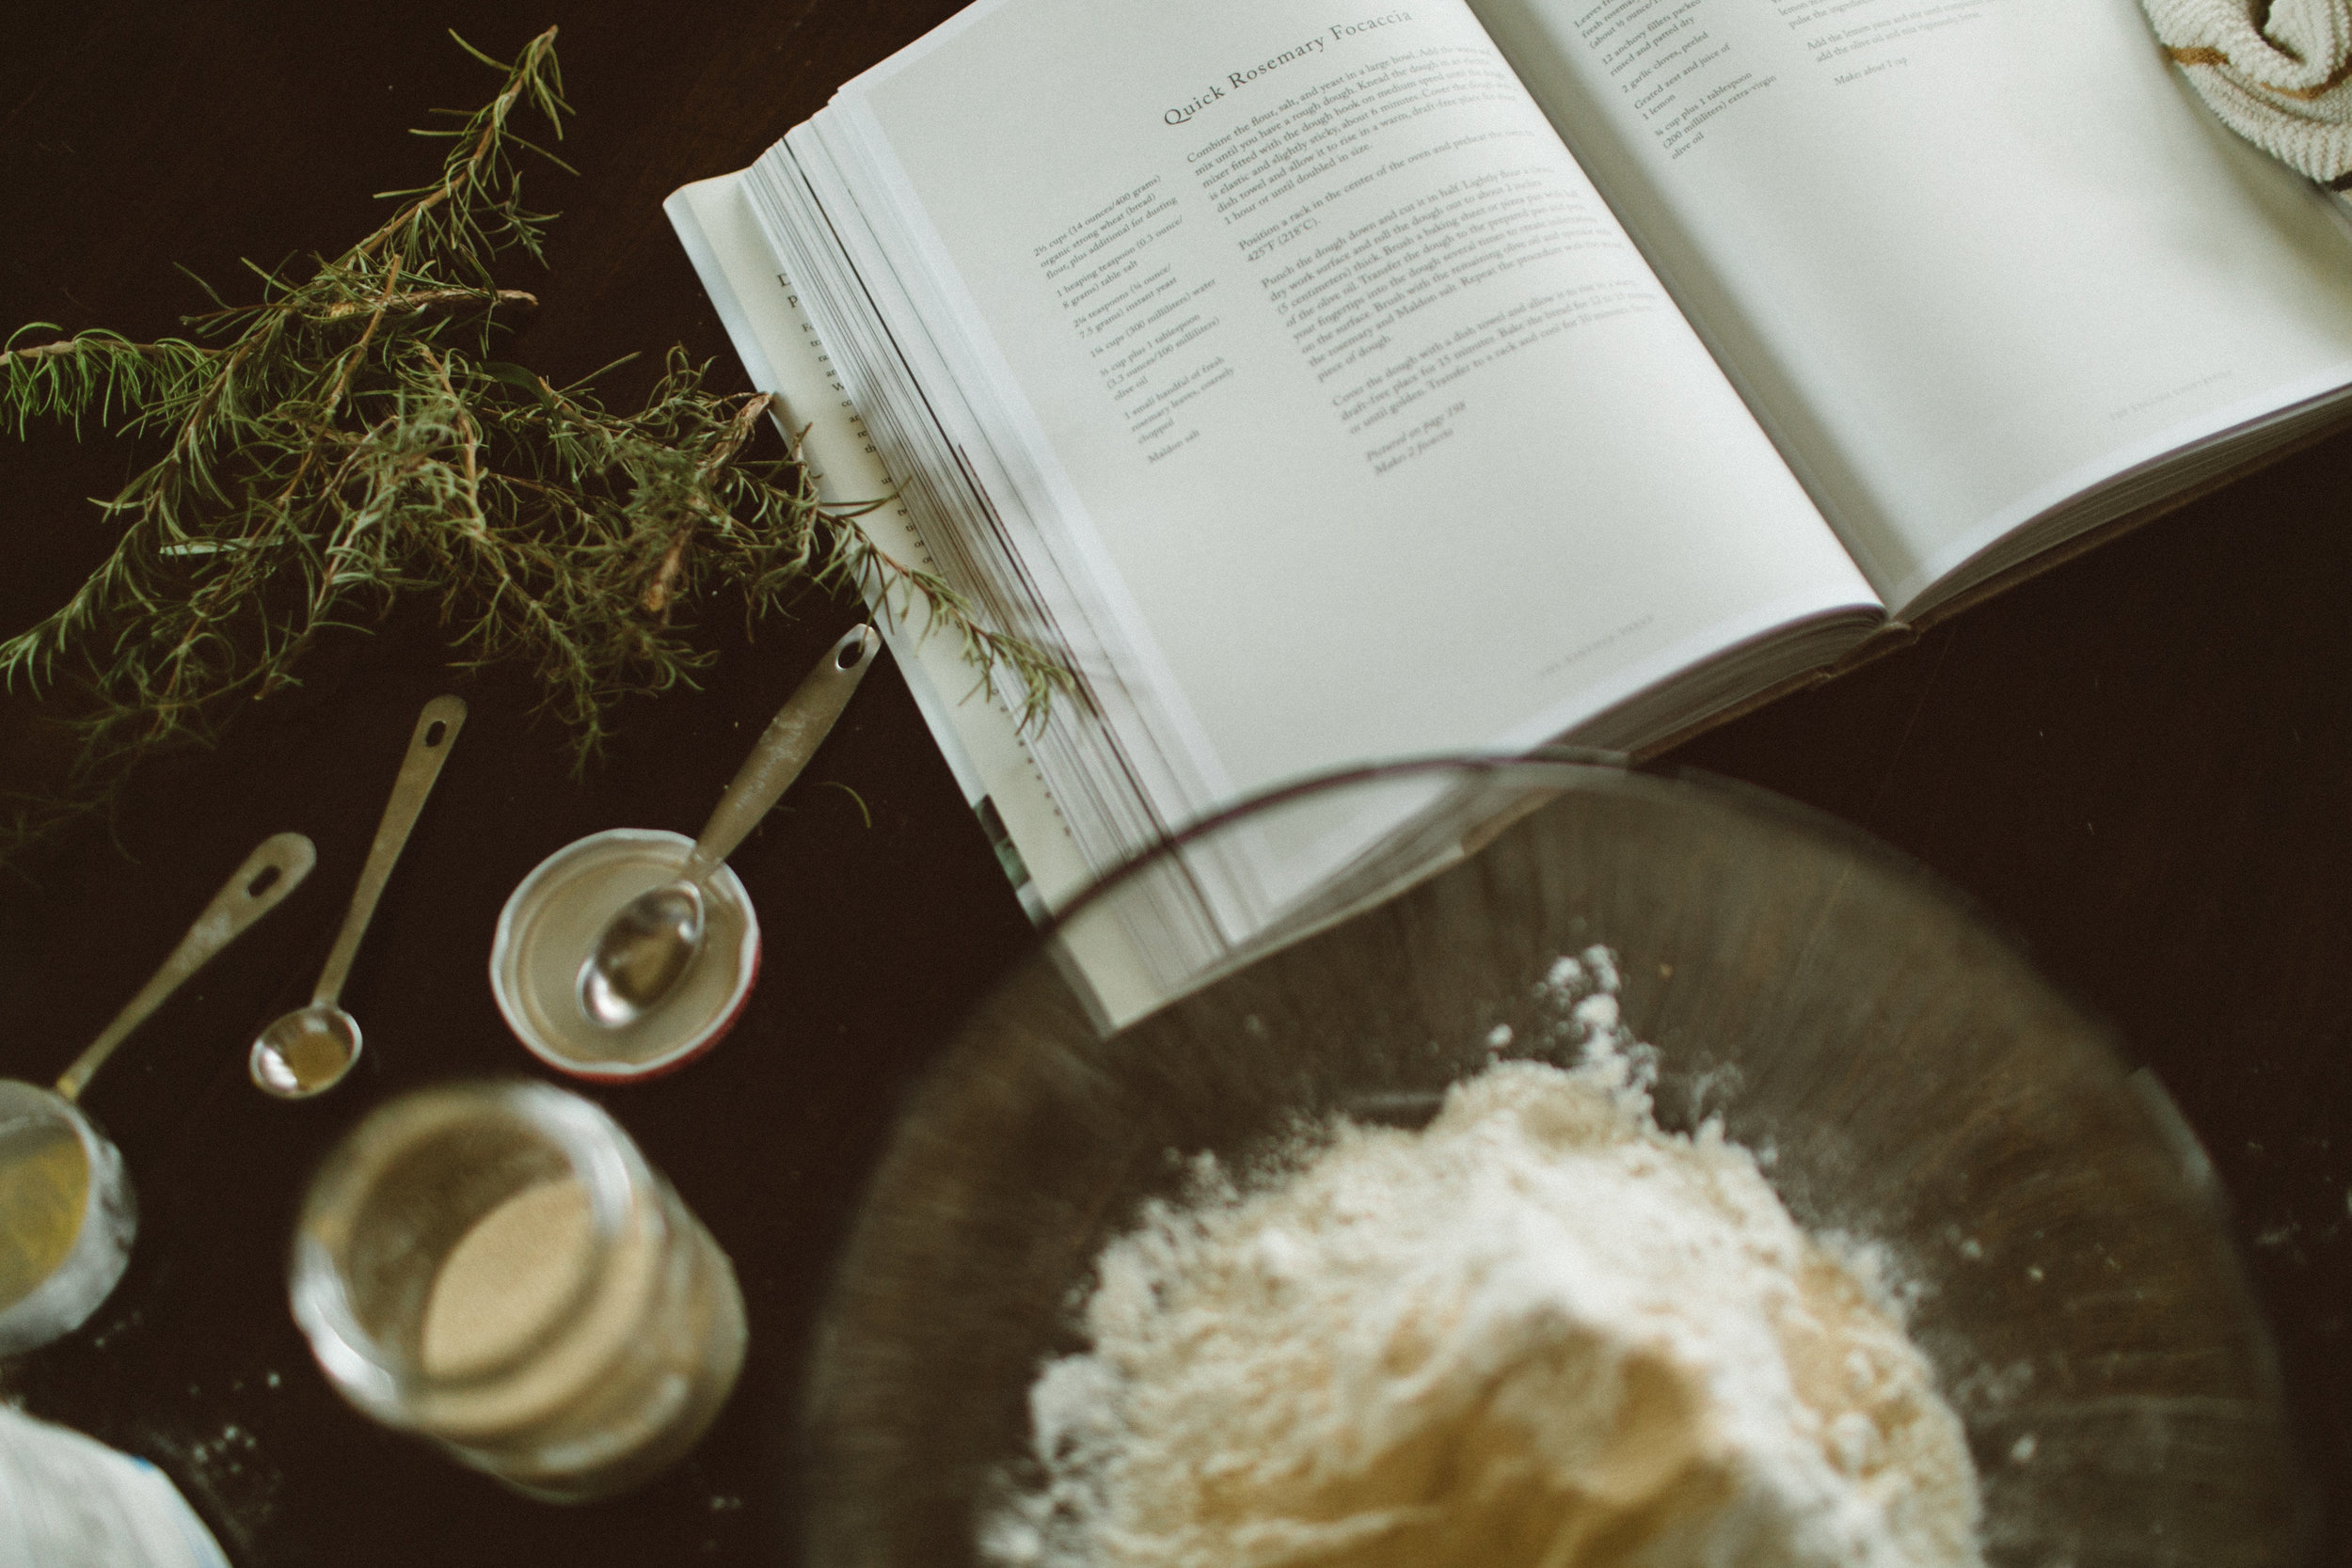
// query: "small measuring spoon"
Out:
[308,1051]
[649,943]
[69,1215]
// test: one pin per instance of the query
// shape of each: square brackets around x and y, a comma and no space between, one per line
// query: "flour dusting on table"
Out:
[1539,1332]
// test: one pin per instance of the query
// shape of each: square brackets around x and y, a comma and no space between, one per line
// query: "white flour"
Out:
[1538,1334]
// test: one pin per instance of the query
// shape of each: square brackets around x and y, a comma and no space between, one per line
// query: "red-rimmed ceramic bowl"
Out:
[550,924]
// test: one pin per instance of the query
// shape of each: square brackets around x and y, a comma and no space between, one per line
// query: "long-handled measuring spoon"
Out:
[67,1214]
[646,947]
[308,1051]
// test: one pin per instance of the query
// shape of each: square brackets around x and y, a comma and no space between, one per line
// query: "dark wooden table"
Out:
[2140,763]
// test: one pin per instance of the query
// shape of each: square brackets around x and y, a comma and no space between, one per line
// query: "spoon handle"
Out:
[436,731]
[274,869]
[791,738]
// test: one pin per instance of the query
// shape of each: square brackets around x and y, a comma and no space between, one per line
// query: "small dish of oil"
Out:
[550,929]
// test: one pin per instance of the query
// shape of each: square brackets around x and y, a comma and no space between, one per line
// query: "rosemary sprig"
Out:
[349,440]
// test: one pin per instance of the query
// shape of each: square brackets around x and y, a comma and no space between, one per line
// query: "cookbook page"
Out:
[1335,375]
[1967,258]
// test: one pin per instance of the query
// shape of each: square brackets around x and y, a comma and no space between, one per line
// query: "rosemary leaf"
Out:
[348,441]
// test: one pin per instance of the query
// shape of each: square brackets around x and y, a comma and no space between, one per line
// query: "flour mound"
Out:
[1539,1332]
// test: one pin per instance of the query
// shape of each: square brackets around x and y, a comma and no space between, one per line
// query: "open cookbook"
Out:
[1464,376]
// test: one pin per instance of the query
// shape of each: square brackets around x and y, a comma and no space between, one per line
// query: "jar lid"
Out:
[551,925]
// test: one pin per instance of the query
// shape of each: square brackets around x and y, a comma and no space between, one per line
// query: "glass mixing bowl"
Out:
[1916,1082]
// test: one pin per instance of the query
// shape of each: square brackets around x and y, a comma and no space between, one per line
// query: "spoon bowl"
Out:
[642,954]
[305,1052]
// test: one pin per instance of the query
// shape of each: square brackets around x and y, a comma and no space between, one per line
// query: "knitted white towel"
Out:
[2277,72]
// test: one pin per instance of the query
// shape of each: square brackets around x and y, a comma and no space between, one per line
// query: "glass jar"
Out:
[495,1267]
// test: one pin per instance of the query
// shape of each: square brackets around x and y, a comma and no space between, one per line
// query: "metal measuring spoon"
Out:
[649,943]
[308,1051]
[66,1244]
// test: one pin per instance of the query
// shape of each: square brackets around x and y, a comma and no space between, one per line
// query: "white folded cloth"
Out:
[70,1501]
[2277,71]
